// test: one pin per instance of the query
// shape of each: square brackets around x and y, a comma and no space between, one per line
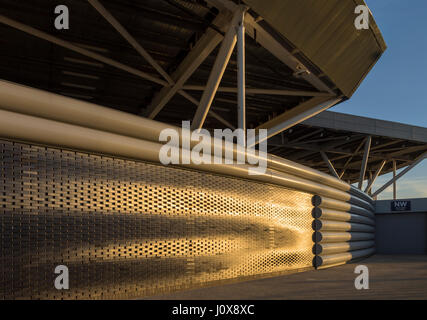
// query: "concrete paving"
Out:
[391,277]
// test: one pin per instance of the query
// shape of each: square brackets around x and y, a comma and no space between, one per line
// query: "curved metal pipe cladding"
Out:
[41,104]
[342,231]
[343,223]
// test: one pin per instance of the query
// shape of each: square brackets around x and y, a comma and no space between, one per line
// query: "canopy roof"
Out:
[325,34]
[342,137]
[283,39]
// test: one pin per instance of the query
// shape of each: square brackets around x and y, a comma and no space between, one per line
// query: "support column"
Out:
[202,49]
[241,74]
[370,180]
[130,39]
[217,71]
[364,161]
[329,164]
[394,179]
[401,174]
[377,173]
[298,114]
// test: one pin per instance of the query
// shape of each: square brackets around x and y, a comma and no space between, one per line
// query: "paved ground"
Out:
[391,277]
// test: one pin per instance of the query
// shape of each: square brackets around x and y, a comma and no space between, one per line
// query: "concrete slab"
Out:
[391,277]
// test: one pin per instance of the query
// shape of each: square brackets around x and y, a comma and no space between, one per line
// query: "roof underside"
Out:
[342,138]
[167,30]
[170,29]
[325,33]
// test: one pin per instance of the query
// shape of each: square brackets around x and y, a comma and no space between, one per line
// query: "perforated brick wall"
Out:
[130,229]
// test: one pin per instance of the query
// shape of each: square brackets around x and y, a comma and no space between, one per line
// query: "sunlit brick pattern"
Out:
[131,229]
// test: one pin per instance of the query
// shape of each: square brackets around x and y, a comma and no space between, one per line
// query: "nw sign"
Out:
[401,205]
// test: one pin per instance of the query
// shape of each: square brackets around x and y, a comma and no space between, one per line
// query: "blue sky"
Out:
[394,89]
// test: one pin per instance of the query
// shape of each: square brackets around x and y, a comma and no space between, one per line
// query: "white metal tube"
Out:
[336,215]
[340,247]
[394,180]
[401,174]
[324,202]
[355,200]
[360,194]
[241,74]
[126,35]
[374,178]
[217,72]
[329,164]
[364,161]
[298,118]
[330,225]
[342,257]
[278,92]
[285,165]
[57,134]
[39,103]
[202,49]
[313,186]
[328,237]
